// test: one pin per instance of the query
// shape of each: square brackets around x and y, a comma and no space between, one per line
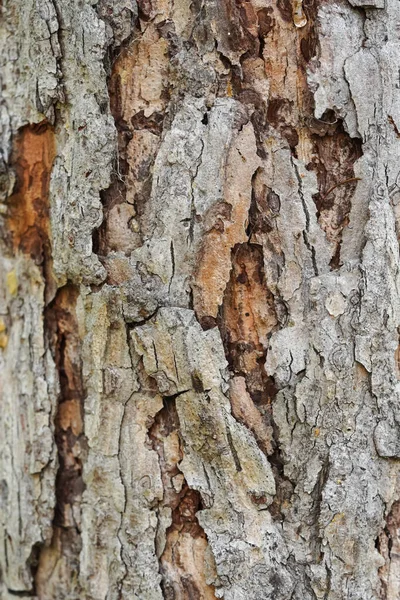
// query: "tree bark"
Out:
[199,300]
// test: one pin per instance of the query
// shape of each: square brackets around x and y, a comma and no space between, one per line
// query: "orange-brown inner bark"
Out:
[28,216]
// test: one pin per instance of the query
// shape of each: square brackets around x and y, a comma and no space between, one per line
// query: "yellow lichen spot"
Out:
[123,76]
[338,517]
[12,282]
[3,335]
[317,431]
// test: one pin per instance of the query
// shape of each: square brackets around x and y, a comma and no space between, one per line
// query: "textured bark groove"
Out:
[199,306]
[63,553]
[138,140]
[183,558]
[388,545]
[333,162]
[247,318]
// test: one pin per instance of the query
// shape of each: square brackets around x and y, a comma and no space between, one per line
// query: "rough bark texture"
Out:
[200,300]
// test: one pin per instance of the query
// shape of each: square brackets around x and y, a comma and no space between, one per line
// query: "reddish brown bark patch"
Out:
[28,215]
[248,316]
[397,361]
[241,32]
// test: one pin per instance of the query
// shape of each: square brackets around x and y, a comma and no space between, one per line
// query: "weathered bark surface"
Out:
[200,300]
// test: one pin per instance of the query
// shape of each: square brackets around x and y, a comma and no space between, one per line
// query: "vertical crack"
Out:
[182,558]
[306,232]
[65,343]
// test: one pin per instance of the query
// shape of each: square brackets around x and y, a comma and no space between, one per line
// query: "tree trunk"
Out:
[199,300]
